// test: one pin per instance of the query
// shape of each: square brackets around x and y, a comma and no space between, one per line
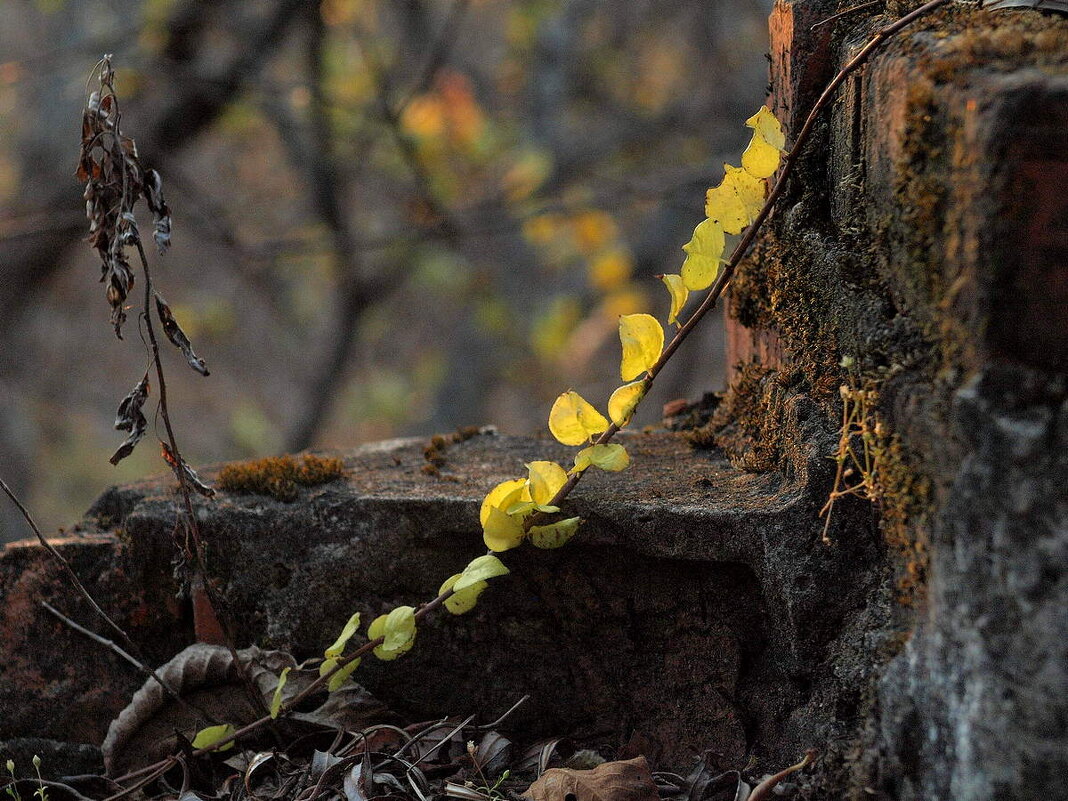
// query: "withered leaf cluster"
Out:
[130,418]
[114,181]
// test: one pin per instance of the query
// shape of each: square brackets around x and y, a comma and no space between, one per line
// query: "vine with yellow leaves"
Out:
[524,508]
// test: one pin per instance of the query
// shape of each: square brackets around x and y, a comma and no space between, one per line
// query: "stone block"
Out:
[691,611]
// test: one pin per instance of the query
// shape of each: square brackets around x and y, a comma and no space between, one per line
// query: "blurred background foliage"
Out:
[391,217]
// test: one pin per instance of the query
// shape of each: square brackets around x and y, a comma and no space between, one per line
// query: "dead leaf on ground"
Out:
[613,781]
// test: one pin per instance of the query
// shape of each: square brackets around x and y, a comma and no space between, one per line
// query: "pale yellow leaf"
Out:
[463,601]
[481,568]
[624,401]
[397,630]
[760,159]
[642,338]
[337,680]
[704,253]
[676,288]
[554,535]
[769,128]
[736,201]
[573,420]
[501,531]
[611,457]
[546,479]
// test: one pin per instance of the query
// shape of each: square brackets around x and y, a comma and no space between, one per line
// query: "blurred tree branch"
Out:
[28,260]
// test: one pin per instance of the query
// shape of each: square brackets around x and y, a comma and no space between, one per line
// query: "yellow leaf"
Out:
[502,532]
[767,126]
[676,287]
[276,700]
[546,479]
[643,340]
[503,497]
[481,568]
[704,252]
[397,630]
[212,734]
[736,201]
[338,647]
[593,230]
[610,269]
[626,300]
[760,159]
[463,601]
[573,420]
[551,329]
[611,457]
[624,401]
[554,535]
[338,679]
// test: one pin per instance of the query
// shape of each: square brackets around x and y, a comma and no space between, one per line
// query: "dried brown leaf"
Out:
[613,781]
[130,418]
[177,336]
[181,469]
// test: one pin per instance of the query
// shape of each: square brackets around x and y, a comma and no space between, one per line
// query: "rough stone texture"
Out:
[693,613]
[926,239]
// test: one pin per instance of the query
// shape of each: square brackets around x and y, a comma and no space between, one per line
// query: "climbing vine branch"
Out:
[526,508]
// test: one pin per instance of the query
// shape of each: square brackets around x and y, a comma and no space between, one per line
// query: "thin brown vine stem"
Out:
[707,305]
[192,529]
[149,774]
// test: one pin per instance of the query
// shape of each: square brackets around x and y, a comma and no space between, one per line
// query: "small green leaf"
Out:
[206,738]
[338,647]
[397,630]
[339,678]
[276,701]
[554,535]
[480,569]
[463,601]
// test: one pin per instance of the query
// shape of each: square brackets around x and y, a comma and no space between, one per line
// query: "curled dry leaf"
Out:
[613,781]
[206,679]
[181,469]
[202,675]
[764,790]
[493,754]
[161,219]
[130,418]
[177,336]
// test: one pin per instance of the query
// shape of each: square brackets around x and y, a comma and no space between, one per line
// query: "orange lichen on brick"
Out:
[280,476]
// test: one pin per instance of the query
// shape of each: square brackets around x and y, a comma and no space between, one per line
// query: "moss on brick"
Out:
[280,476]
